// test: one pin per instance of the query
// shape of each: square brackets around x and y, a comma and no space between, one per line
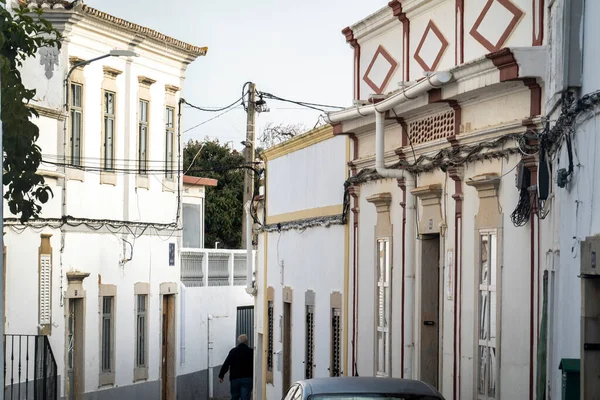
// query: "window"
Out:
[336,340]
[383,308]
[270,337]
[487,332]
[107,333]
[45,287]
[170,133]
[76,122]
[310,341]
[141,331]
[192,224]
[143,138]
[109,131]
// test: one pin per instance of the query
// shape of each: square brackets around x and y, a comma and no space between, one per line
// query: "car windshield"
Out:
[368,396]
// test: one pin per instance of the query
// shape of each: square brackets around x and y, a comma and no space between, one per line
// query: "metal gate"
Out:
[245,323]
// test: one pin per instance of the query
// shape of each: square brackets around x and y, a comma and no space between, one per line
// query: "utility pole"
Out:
[249,152]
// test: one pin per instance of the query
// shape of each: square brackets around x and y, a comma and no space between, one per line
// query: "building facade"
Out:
[302,274]
[98,276]
[447,246]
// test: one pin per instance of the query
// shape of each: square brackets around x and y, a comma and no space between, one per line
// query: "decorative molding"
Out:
[111,72]
[145,81]
[172,89]
[436,31]
[536,96]
[505,61]
[381,51]
[76,60]
[381,201]
[538,22]
[353,42]
[309,298]
[510,7]
[485,184]
[48,112]
[49,58]
[287,294]
[398,12]
[431,199]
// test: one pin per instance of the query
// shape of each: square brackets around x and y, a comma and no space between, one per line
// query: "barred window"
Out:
[310,341]
[109,131]
[383,308]
[76,123]
[336,340]
[487,346]
[141,331]
[107,333]
[270,338]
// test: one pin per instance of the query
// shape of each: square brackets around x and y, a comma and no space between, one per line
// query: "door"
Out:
[245,324]
[75,352]
[168,348]
[430,308]
[287,346]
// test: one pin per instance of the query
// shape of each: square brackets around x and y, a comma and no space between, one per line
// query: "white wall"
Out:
[308,178]
[221,303]
[313,260]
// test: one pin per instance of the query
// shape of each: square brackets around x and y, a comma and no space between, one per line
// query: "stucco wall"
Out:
[312,260]
[325,160]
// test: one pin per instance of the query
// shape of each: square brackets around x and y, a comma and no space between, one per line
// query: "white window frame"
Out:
[108,156]
[487,352]
[169,142]
[143,136]
[107,348]
[76,137]
[383,308]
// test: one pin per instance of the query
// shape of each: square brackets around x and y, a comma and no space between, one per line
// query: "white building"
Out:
[303,263]
[572,223]
[97,279]
[446,279]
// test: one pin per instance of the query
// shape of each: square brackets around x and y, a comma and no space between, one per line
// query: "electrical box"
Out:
[590,249]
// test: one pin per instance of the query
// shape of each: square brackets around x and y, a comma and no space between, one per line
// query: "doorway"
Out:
[287,347]
[168,348]
[430,307]
[75,349]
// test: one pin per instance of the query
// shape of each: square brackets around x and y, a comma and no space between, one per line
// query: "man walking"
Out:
[240,363]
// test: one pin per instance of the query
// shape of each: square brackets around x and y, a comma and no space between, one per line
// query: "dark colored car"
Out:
[362,388]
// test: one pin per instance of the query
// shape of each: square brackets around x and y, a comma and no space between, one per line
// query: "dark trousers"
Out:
[241,389]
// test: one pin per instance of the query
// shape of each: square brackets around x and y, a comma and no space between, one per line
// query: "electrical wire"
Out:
[314,106]
[213,109]
[210,119]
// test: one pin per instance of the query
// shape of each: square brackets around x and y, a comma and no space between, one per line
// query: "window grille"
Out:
[336,340]
[270,337]
[143,138]
[310,341]
[45,286]
[383,308]
[487,332]
[170,134]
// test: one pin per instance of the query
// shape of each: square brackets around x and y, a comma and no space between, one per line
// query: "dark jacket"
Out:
[239,362]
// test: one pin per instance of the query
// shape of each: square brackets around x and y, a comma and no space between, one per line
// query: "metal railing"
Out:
[30,370]
[213,267]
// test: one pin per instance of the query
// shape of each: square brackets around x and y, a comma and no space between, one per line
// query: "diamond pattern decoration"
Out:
[432,40]
[376,76]
[503,12]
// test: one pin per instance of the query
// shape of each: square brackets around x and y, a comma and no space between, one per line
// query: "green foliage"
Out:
[224,203]
[21,36]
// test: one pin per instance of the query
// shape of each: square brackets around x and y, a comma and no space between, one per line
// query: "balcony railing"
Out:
[213,267]
[29,368]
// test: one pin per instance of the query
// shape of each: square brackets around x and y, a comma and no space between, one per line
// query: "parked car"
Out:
[361,388]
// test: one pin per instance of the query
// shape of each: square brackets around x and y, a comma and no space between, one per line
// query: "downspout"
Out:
[409,279]
[250,288]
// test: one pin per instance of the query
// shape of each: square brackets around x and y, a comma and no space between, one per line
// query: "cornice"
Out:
[145,81]
[112,72]
[48,112]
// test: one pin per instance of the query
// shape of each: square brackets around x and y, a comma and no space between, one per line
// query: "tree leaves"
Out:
[224,203]
[21,36]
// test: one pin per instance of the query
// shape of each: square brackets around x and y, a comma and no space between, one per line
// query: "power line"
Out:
[213,109]
[210,119]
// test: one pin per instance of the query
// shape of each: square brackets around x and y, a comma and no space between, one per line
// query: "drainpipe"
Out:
[250,289]
[409,279]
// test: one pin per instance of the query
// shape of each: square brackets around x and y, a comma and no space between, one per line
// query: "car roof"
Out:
[339,385]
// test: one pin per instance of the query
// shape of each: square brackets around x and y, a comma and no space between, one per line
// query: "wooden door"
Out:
[287,347]
[75,349]
[430,309]
[168,348]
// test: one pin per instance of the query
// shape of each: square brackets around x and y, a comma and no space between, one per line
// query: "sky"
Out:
[292,49]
